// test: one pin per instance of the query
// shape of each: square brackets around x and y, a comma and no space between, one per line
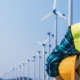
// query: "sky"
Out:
[21,28]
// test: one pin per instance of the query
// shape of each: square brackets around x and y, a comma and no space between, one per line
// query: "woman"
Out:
[70,45]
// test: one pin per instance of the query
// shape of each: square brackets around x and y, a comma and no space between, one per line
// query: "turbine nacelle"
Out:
[56,12]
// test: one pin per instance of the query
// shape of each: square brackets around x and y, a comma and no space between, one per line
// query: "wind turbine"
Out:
[49,34]
[34,57]
[23,71]
[43,46]
[26,67]
[39,52]
[19,72]
[56,13]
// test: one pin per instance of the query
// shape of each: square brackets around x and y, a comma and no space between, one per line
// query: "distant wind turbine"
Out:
[19,72]
[23,64]
[34,58]
[39,53]
[28,68]
[43,46]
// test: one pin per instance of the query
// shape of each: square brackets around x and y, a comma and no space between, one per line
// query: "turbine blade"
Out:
[61,15]
[39,42]
[45,40]
[54,4]
[47,16]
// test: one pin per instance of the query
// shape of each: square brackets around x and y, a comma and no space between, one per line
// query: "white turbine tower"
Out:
[23,64]
[28,68]
[56,13]
[43,46]
[34,58]
[70,12]
[39,53]
[20,72]
[49,34]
